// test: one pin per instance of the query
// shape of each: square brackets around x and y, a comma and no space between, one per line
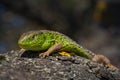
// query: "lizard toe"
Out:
[42,55]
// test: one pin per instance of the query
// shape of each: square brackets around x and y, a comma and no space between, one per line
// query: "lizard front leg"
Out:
[22,50]
[51,50]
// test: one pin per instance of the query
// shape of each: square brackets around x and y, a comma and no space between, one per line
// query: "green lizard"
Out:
[50,41]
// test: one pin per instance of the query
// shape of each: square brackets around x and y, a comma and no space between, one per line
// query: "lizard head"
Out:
[31,40]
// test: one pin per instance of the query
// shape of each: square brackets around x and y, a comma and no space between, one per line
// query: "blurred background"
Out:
[94,24]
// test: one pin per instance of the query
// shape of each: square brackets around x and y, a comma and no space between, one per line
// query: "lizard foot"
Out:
[42,55]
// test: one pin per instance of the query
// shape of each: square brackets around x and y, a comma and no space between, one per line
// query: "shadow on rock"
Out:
[30,54]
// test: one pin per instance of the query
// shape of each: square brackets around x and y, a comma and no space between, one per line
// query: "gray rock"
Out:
[27,66]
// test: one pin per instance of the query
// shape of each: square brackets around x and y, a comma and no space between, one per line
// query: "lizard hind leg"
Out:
[102,59]
[51,50]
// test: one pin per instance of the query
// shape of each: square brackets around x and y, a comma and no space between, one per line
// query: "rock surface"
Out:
[27,66]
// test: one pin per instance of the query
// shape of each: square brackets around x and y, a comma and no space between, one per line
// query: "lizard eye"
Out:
[32,38]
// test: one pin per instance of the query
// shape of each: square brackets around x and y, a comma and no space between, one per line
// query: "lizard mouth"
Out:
[23,45]
[28,46]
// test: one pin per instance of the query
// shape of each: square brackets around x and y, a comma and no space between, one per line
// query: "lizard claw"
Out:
[42,55]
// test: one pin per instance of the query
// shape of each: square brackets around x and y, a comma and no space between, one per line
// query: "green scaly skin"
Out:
[44,39]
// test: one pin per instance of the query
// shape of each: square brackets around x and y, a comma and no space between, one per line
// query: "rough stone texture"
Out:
[27,66]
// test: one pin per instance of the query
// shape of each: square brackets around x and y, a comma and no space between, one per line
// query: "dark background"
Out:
[95,24]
